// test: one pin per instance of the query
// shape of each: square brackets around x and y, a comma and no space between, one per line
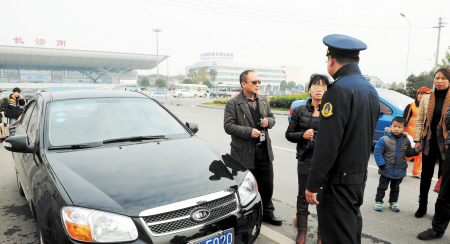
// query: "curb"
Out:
[223,108]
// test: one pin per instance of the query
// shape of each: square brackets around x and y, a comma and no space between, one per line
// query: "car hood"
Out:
[129,179]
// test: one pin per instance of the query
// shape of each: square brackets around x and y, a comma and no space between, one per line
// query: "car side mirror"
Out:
[381,112]
[192,126]
[18,144]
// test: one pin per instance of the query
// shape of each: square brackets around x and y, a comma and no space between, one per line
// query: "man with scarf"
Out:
[11,106]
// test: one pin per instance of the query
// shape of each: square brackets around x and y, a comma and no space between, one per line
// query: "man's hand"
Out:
[265,123]
[256,133]
[418,147]
[309,134]
[311,197]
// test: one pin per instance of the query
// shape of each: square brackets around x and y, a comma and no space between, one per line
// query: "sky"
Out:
[258,32]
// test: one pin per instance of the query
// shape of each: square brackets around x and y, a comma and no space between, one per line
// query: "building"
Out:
[53,69]
[228,73]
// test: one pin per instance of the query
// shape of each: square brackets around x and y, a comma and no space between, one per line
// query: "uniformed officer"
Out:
[348,117]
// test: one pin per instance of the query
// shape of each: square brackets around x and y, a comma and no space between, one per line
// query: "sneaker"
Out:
[394,206]
[378,206]
[416,176]
[428,235]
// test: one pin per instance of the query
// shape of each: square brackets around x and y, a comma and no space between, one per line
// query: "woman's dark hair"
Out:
[445,72]
[315,80]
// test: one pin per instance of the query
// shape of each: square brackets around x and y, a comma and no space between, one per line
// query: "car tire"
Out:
[39,232]
[19,184]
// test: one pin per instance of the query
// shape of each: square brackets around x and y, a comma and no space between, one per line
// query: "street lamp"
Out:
[157,56]
[407,55]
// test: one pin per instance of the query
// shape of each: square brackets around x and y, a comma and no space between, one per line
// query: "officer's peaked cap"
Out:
[343,46]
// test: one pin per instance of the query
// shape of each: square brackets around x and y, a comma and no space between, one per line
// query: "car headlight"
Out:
[248,189]
[97,226]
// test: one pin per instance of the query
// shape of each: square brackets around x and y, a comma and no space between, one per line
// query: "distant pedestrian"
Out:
[410,114]
[248,119]
[349,113]
[430,133]
[11,106]
[302,129]
[390,153]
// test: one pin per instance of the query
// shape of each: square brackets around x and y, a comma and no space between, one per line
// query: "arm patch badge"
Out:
[327,110]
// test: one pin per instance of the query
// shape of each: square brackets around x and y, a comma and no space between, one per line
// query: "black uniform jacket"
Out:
[11,107]
[348,116]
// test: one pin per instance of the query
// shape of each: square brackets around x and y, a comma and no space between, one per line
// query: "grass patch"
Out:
[280,109]
[214,104]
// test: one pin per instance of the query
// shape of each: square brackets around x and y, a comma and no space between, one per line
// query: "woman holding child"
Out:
[430,133]
[301,130]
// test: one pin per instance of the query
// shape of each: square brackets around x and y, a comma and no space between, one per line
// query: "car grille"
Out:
[180,219]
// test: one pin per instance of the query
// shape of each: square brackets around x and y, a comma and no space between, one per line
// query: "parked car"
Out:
[220,93]
[118,167]
[392,104]
[183,93]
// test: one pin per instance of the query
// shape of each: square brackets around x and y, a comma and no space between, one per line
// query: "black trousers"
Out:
[302,172]
[442,208]
[382,187]
[340,219]
[428,163]
[263,173]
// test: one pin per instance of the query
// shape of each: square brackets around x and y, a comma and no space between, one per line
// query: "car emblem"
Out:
[200,214]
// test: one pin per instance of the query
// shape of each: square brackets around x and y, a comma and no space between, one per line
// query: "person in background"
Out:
[301,130]
[11,106]
[441,216]
[430,133]
[410,114]
[390,153]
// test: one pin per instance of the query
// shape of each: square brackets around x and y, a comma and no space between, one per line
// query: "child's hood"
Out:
[388,131]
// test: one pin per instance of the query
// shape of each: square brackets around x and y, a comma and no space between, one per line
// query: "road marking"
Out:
[266,231]
[370,166]
[186,113]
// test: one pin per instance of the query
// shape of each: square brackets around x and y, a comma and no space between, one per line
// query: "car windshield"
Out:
[84,121]
[395,98]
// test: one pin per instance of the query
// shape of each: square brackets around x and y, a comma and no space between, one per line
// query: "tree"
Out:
[188,81]
[306,86]
[145,82]
[213,75]
[425,79]
[202,75]
[291,85]
[401,85]
[207,83]
[160,83]
[180,78]
[394,85]
[193,76]
[283,85]
[446,60]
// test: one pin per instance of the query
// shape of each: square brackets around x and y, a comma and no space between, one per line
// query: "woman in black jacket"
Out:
[301,130]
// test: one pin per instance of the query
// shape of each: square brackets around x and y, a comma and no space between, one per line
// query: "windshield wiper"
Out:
[135,138]
[77,146]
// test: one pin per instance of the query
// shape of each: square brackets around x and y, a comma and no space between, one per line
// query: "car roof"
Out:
[80,94]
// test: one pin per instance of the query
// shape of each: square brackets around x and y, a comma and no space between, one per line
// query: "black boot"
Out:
[422,208]
[301,224]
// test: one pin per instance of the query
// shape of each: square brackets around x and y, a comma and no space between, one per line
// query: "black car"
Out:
[221,93]
[116,166]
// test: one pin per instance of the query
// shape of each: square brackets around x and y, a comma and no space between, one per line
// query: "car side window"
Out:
[33,125]
[27,114]
[385,108]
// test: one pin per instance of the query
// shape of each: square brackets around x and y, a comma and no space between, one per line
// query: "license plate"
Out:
[222,237]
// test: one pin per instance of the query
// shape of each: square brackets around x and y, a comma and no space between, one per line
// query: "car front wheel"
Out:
[19,184]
